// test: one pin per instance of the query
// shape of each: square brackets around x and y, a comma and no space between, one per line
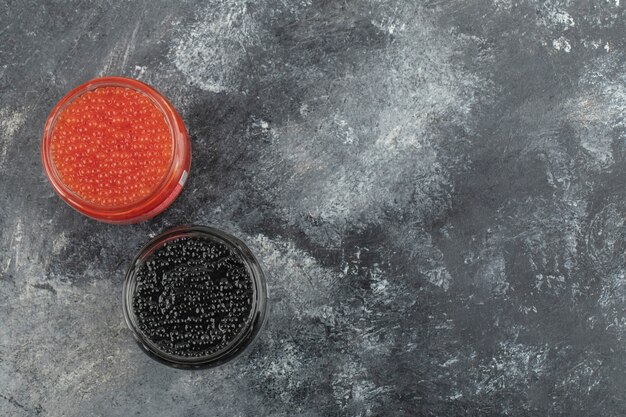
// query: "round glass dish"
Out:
[240,340]
[166,187]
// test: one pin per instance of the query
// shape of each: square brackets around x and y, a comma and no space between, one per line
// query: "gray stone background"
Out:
[434,188]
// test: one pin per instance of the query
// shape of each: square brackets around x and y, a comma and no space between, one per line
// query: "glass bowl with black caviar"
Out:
[195,297]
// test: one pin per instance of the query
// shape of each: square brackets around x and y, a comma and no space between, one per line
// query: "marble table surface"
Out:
[435,190]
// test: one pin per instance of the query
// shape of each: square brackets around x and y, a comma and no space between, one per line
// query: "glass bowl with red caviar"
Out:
[116,150]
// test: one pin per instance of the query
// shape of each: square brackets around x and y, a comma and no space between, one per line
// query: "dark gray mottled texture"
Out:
[435,190]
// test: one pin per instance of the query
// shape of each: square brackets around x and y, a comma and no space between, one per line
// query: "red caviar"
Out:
[111,146]
[116,150]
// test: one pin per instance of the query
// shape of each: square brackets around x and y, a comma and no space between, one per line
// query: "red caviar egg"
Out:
[111,146]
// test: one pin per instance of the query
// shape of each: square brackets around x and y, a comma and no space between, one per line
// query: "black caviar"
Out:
[193,296]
